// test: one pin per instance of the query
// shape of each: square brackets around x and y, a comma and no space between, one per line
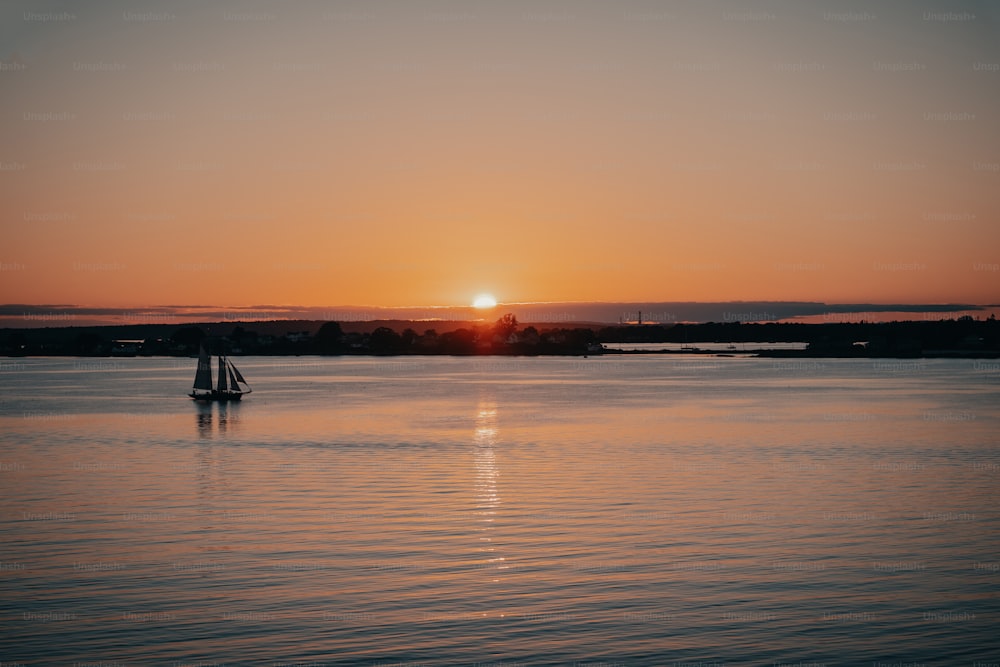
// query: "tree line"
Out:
[507,336]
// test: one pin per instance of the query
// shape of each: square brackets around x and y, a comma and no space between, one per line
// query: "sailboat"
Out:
[227,388]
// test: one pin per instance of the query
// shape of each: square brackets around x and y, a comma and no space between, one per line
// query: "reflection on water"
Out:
[487,476]
[215,419]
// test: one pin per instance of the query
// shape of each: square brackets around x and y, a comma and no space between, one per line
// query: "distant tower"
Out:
[640,318]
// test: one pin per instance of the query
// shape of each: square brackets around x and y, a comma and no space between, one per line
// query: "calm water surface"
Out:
[464,511]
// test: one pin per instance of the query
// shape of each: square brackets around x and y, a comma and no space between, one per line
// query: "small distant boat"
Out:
[227,387]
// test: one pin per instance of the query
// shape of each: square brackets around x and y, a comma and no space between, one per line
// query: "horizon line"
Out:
[291,306]
[19,316]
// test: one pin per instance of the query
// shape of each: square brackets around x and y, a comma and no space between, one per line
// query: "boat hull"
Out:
[223,396]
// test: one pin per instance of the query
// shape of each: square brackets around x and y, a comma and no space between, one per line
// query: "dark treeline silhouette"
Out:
[965,336]
[502,337]
[505,336]
[962,337]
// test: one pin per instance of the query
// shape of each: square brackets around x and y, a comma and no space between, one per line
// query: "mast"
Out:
[222,375]
[203,376]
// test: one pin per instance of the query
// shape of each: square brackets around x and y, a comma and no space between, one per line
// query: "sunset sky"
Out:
[419,153]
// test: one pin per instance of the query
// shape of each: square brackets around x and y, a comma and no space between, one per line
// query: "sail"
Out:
[223,386]
[235,376]
[232,378]
[203,376]
[237,371]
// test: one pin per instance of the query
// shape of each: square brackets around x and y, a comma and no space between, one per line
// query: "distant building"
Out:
[126,347]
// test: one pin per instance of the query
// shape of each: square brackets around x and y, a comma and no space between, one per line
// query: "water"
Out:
[713,347]
[464,511]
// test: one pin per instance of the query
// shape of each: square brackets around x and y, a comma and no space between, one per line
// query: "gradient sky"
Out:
[418,153]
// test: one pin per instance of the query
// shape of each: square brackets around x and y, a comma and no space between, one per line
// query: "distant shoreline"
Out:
[962,338]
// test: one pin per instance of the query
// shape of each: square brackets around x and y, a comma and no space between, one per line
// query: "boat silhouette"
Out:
[228,386]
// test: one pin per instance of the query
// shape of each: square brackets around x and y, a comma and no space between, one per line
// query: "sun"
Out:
[484,301]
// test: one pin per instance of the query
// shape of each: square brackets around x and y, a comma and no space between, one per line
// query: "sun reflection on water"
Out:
[487,475]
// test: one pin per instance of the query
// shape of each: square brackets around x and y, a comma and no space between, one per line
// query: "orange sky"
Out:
[419,153]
